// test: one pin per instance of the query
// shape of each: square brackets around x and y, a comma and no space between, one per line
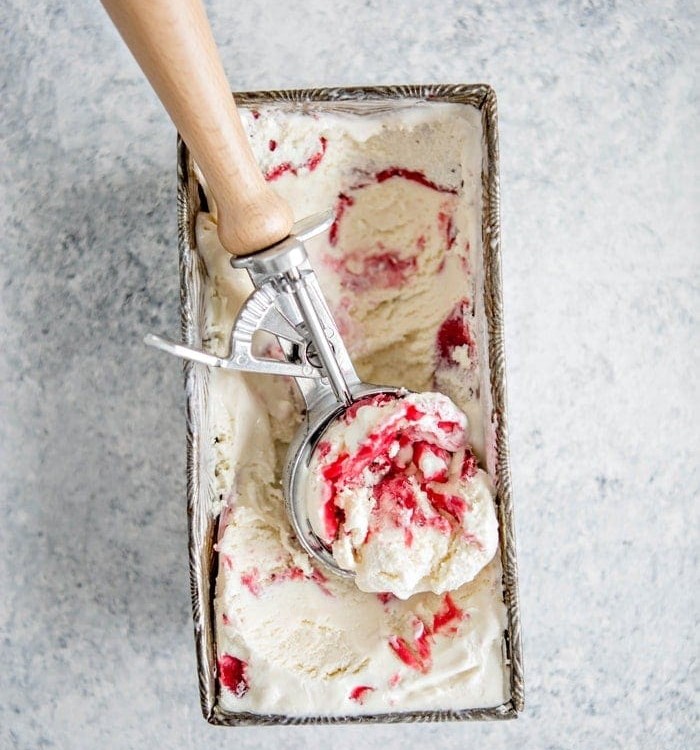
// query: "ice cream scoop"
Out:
[288,303]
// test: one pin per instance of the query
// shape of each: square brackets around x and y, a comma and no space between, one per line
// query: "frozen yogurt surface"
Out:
[401,270]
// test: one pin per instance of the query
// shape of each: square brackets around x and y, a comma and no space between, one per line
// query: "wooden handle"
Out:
[172,42]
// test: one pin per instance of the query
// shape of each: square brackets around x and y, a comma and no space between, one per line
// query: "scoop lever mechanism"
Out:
[288,303]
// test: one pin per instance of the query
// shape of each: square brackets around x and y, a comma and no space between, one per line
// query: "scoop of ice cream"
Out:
[395,490]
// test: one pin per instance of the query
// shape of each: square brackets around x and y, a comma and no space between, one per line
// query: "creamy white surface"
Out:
[309,643]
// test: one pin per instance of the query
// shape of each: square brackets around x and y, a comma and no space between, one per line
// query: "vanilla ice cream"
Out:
[395,490]
[400,269]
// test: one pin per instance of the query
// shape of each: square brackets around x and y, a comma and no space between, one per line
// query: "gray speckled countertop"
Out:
[599,150]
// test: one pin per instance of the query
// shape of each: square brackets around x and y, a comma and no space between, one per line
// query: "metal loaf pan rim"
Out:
[203,527]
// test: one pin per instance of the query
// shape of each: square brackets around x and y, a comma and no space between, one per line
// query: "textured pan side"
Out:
[202,524]
[493,300]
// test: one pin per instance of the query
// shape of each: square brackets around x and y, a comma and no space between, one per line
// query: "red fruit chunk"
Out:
[400,647]
[451,504]
[233,674]
[413,414]
[311,163]
[315,159]
[331,518]
[334,470]
[469,465]
[377,400]
[396,491]
[344,202]
[413,176]
[376,444]
[423,645]
[447,426]
[453,333]
[448,614]
[275,172]
[358,693]
[323,448]
[417,655]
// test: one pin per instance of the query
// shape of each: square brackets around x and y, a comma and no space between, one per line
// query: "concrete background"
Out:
[598,107]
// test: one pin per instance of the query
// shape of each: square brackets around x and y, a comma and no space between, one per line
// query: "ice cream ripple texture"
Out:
[395,490]
[401,479]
